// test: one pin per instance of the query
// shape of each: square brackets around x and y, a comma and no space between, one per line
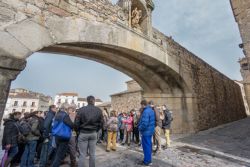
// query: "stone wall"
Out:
[9,69]
[219,99]
[133,86]
[124,102]
[95,10]
[241,9]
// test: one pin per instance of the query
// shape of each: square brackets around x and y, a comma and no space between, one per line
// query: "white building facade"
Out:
[23,100]
[72,99]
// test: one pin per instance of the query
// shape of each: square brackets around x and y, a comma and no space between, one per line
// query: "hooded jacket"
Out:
[35,131]
[10,133]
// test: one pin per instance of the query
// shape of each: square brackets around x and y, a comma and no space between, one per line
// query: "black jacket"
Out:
[10,133]
[89,119]
[47,124]
[166,123]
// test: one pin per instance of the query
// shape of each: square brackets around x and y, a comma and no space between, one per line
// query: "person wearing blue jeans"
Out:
[29,153]
[147,128]
[61,141]
[47,148]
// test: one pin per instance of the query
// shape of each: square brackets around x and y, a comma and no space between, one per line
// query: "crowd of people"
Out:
[48,138]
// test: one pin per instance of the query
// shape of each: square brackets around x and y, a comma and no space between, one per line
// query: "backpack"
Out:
[21,139]
[60,129]
[166,120]
[113,125]
[26,127]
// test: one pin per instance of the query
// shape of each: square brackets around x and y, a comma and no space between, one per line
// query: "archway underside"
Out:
[152,75]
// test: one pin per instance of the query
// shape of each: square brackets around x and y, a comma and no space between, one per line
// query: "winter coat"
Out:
[47,125]
[135,121]
[166,123]
[35,130]
[128,123]
[10,132]
[158,121]
[120,121]
[112,124]
[89,119]
[147,122]
[105,121]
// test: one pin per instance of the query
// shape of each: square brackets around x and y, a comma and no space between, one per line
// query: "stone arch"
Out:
[124,50]
[101,41]
[101,31]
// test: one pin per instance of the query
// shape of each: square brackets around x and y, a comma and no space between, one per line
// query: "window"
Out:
[79,105]
[31,110]
[25,104]
[66,101]
[23,110]
[15,103]
[73,102]
[13,110]
[59,101]
[33,104]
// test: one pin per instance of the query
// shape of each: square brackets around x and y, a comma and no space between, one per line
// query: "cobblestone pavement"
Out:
[233,139]
[178,155]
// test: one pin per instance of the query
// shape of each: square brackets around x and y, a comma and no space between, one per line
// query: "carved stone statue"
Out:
[135,19]
[150,4]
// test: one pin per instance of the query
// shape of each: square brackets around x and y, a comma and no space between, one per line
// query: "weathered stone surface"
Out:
[58,11]
[40,3]
[30,34]
[15,64]
[17,4]
[53,2]
[68,7]
[6,76]
[6,14]
[11,47]
[32,9]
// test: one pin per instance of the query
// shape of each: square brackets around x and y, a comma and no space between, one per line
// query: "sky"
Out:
[204,28]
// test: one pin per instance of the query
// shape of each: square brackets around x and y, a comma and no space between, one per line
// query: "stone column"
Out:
[9,69]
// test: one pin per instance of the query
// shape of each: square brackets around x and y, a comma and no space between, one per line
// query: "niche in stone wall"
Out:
[139,16]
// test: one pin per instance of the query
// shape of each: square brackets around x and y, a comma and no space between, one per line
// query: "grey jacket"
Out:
[35,130]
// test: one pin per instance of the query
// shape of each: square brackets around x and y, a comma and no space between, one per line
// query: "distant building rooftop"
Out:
[24,96]
[105,104]
[68,94]
[81,99]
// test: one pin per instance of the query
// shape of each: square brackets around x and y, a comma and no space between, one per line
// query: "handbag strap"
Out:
[17,127]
